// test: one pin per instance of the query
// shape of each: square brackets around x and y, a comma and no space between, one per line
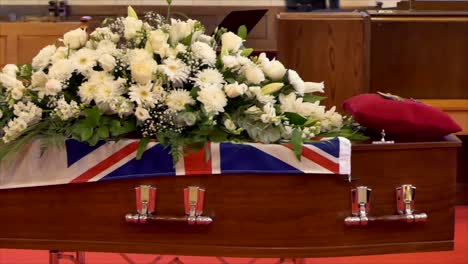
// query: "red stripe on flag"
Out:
[196,163]
[107,163]
[317,158]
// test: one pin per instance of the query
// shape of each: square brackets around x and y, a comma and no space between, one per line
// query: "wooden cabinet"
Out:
[20,42]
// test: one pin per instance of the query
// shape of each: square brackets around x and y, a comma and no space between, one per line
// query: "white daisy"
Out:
[176,70]
[209,78]
[84,60]
[142,94]
[177,99]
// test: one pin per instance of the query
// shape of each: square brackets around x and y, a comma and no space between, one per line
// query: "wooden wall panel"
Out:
[2,50]
[420,57]
[327,47]
[29,46]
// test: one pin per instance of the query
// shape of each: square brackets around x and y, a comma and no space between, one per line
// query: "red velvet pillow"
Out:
[401,118]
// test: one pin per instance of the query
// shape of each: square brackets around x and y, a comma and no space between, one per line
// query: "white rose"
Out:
[230,125]
[107,62]
[142,114]
[17,92]
[38,79]
[234,89]
[231,42]
[53,87]
[42,59]
[60,53]
[142,72]
[75,39]
[180,30]
[158,40]
[230,61]
[275,70]
[132,27]
[254,74]
[10,69]
[8,81]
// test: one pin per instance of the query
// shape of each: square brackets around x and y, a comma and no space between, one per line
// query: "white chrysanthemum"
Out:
[204,52]
[209,78]
[104,33]
[132,27]
[230,61]
[289,103]
[100,76]
[296,81]
[84,60]
[204,38]
[107,91]
[213,99]
[42,59]
[176,70]
[10,69]
[87,92]
[38,79]
[143,95]
[53,87]
[176,100]
[61,70]
[141,113]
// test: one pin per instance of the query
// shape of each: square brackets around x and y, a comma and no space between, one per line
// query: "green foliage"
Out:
[142,147]
[350,133]
[313,98]
[295,118]
[247,52]
[25,71]
[297,142]
[95,127]
[242,32]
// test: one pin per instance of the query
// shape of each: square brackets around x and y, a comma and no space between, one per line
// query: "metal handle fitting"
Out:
[193,204]
[405,197]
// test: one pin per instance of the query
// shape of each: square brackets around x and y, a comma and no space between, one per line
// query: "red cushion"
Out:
[404,118]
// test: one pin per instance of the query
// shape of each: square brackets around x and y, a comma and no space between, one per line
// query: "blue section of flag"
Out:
[331,146]
[77,150]
[239,158]
[156,161]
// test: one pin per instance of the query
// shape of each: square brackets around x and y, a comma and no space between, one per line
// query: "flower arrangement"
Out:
[162,79]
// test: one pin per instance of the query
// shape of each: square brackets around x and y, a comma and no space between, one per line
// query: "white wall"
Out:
[344,3]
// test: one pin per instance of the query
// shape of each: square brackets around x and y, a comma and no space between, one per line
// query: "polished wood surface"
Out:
[254,215]
[420,57]
[20,42]
[329,47]
[435,5]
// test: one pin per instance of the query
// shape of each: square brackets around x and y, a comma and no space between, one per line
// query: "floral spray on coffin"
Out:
[161,79]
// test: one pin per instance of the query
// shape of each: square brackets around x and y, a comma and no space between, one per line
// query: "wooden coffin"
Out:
[253,215]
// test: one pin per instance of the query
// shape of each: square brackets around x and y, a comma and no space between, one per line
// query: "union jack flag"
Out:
[79,162]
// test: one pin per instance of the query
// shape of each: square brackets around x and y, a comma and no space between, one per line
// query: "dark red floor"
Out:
[458,256]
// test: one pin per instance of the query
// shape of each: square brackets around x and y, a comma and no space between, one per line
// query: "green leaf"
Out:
[310,122]
[86,133]
[207,153]
[218,135]
[93,115]
[118,128]
[242,32]
[103,132]
[247,52]
[194,92]
[142,147]
[94,140]
[131,12]
[310,98]
[25,71]
[295,119]
[296,141]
